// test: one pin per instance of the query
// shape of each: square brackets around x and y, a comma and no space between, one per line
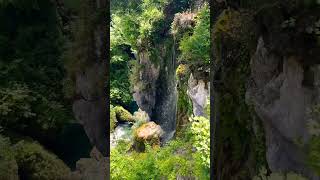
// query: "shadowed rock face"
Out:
[158,97]
[90,109]
[148,76]
[281,100]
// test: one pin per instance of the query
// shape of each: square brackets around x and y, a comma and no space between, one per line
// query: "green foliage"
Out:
[313,159]
[37,163]
[200,129]
[22,108]
[8,165]
[119,77]
[16,103]
[122,114]
[128,27]
[182,71]
[196,48]
[174,159]
[31,70]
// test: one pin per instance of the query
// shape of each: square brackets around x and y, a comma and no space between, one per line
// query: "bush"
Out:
[8,165]
[174,159]
[36,163]
[22,108]
[196,48]
[200,129]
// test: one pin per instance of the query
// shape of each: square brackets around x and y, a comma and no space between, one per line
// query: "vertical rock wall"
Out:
[90,106]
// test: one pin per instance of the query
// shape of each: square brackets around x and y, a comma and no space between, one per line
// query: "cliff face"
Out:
[155,91]
[89,108]
[266,79]
[145,88]
[281,100]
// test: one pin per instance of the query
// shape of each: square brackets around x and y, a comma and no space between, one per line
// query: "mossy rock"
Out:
[36,163]
[149,133]
[123,115]
[8,164]
[182,71]
[113,118]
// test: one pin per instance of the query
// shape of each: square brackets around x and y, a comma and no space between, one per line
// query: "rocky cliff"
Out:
[266,79]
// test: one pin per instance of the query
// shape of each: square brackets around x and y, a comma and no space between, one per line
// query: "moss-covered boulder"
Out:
[8,164]
[113,119]
[123,115]
[149,133]
[37,163]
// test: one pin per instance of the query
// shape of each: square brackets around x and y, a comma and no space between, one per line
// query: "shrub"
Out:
[200,129]
[196,48]
[8,165]
[174,159]
[36,163]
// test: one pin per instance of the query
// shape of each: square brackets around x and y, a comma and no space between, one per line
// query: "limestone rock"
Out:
[149,131]
[145,90]
[141,116]
[94,168]
[281,100]
[199,94]
[155,92]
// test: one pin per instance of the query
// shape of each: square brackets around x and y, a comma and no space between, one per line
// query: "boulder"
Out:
[123,115]
[94,168]
[147,133]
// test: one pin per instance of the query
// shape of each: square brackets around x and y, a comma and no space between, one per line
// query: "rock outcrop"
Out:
[198,93]
[281,99]
[155,91]
[94,168]
[145,89]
